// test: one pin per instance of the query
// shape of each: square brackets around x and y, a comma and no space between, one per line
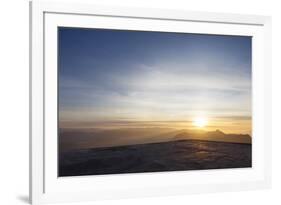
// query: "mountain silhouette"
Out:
[216,135]
[71,139]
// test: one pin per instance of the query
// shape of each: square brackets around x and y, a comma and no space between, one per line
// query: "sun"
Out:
[200,122]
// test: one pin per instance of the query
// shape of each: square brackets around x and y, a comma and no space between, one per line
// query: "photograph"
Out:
[132,101]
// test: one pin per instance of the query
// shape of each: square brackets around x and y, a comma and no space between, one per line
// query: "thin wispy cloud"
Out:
[107,75]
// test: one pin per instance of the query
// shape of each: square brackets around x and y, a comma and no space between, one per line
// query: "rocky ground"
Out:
[155,157]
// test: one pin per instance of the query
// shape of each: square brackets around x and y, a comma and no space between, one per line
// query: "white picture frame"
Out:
[46,187]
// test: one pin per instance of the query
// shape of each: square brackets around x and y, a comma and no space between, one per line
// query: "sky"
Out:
[120,79]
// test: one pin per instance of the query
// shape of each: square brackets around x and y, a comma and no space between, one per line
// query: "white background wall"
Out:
[14,100]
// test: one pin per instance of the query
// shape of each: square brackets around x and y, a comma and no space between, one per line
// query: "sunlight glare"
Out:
[200,122]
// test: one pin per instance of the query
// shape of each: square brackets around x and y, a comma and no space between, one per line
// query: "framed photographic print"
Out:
[129,102]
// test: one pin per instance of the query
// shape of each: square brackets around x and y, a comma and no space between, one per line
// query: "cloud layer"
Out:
[124,76]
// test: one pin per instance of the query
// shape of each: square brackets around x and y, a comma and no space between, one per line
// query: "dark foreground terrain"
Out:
[154,157]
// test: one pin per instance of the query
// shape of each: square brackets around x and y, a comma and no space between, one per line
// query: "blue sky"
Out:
[120,76]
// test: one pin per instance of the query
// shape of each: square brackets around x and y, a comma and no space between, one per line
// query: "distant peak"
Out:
[219,131]
[182,134]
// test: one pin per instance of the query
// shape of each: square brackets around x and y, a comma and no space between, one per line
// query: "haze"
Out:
[113,79]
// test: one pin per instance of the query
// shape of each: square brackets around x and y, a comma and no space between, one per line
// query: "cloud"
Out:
[169,78]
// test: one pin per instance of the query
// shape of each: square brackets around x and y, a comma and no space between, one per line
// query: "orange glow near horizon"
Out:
[232,125]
